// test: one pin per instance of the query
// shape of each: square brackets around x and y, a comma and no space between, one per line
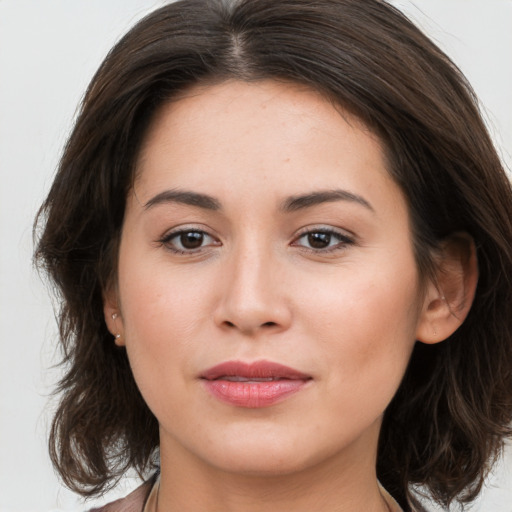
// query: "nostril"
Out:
[229,324]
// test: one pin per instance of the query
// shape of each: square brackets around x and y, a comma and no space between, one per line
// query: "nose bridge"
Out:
[253,294]
[252,274]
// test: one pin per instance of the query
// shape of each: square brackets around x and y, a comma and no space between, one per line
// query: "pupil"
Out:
[191,240]
[319,240]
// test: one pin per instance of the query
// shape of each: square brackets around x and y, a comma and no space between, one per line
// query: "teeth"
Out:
[236,378]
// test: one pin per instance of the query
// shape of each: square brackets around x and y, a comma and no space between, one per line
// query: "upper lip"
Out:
[254,370]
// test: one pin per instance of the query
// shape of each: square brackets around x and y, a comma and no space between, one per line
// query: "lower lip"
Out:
[254,395]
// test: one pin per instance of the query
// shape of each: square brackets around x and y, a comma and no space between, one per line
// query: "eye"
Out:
[323,240]
[187,241]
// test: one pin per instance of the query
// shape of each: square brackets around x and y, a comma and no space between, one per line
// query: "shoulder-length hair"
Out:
[453,409]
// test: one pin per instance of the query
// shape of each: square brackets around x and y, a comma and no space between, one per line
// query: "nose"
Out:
[253,295]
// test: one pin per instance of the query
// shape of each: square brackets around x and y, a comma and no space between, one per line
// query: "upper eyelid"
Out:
[184,229]
[300,232]
[328,229]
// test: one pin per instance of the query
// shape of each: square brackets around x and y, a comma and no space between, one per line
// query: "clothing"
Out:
[392,504]
[134,502]
[144,499]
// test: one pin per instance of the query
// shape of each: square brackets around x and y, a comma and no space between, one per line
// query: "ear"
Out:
[448,300]
[113,317]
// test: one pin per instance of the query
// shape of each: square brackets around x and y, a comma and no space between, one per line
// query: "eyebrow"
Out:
[184,197]
[291,204]
[295,203]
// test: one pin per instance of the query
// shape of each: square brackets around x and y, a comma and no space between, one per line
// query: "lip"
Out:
[253,385]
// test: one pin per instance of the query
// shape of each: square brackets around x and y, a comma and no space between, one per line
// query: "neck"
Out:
[343,483]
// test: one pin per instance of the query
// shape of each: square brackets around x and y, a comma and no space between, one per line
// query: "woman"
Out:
[283,242]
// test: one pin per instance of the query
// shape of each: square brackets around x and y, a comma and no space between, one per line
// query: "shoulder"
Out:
[134,502]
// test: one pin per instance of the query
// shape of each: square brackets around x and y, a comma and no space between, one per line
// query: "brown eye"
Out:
[191,239]
[323,240]
[188,241]
[319,240]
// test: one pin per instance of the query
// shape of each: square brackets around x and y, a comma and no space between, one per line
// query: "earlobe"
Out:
[448,300]
[113,317]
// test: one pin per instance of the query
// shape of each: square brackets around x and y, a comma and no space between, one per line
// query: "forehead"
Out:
[234,110]
[234,118]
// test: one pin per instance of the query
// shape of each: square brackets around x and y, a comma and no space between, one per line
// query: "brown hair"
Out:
[453,409]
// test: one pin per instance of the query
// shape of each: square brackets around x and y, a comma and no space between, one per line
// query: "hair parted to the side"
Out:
[453,409]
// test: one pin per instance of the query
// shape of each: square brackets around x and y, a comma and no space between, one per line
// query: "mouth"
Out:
[253,385]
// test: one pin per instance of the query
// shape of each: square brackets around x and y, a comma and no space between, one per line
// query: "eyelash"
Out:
[167,239]
[343,240]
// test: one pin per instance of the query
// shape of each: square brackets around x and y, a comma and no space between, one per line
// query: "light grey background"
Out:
[49,50]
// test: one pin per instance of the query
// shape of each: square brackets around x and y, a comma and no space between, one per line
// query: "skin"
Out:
[347,314]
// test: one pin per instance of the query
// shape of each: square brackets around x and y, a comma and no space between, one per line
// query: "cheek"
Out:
[157,297]
[162,334]
[365,324]
[161,310]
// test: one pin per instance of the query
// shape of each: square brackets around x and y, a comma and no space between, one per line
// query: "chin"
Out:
[266,456]
[263,464]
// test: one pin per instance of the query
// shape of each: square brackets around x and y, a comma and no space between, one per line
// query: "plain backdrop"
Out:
[49,50]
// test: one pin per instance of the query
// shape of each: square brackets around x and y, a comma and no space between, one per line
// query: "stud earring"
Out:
[117,336]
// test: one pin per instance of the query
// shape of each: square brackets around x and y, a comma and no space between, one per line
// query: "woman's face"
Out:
[264,234]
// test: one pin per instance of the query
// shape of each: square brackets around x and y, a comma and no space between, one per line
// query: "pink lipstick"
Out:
[254,385]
